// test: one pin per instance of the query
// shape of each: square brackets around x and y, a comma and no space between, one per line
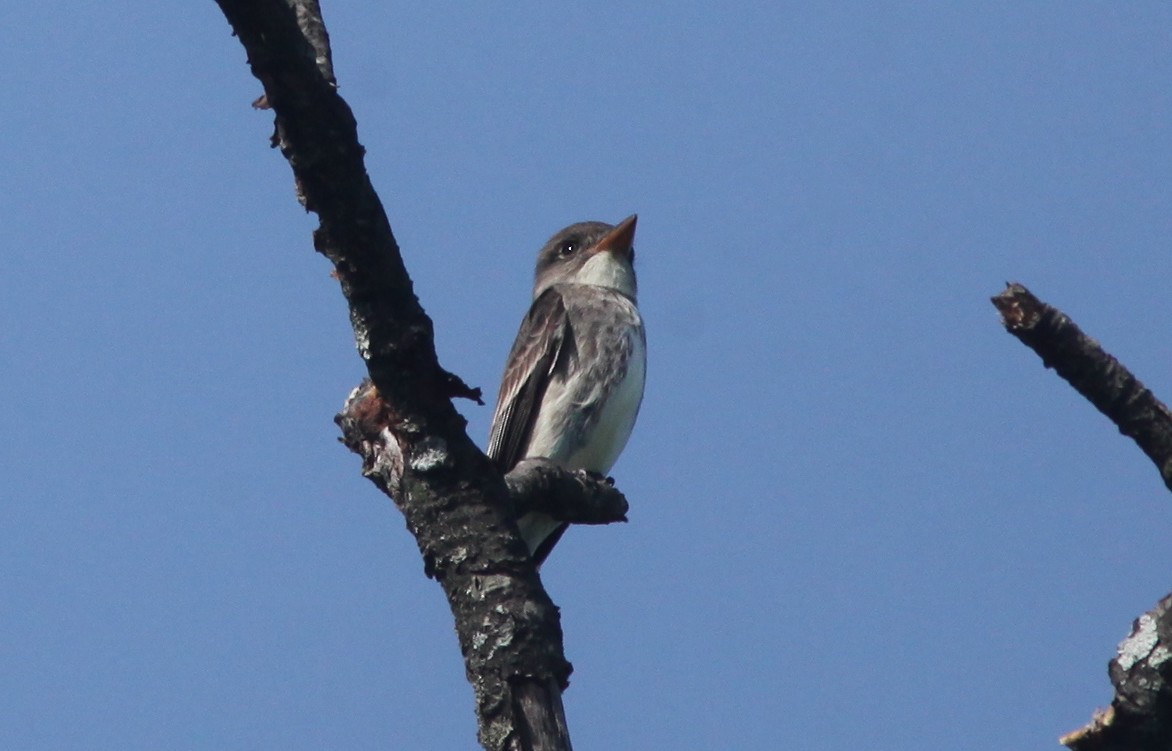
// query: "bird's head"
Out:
[590,253]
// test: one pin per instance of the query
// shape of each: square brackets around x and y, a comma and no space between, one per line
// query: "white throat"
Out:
[607,270]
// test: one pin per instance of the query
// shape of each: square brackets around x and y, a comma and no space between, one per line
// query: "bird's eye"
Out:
[567,248]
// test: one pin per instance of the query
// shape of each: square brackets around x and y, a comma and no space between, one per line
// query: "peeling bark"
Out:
[1140,716]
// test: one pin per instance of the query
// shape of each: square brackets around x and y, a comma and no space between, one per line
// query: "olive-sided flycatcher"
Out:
[574,378]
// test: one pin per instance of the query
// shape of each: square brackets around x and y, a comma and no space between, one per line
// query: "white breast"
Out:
[617,419]
[585,418]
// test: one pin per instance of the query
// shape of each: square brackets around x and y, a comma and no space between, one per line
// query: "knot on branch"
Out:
[577,497]
[365,422]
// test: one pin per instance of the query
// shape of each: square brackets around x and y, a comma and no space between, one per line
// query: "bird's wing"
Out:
[542,346]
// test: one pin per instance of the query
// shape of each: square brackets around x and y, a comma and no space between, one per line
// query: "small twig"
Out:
[574,497]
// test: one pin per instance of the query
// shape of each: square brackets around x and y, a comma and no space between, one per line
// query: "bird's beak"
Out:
[620,239]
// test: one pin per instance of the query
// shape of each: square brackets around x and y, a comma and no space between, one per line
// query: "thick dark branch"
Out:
[412,440]
[1092,372]
[1140,716]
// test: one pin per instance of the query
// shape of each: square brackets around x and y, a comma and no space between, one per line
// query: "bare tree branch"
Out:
[1140,715]
[1092,372]
[410,437]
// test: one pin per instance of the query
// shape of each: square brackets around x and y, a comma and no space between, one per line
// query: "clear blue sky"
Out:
[863,515]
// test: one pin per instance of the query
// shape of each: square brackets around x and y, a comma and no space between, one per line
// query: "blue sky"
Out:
[862,514]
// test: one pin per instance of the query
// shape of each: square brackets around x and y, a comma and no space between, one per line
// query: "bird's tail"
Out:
[540,532]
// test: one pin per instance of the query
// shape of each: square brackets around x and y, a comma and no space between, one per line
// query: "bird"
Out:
[573,381]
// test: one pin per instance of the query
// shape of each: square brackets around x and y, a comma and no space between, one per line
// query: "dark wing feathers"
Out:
[543,335]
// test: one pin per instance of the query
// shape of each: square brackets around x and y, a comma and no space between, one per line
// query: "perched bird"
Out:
[574,379]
